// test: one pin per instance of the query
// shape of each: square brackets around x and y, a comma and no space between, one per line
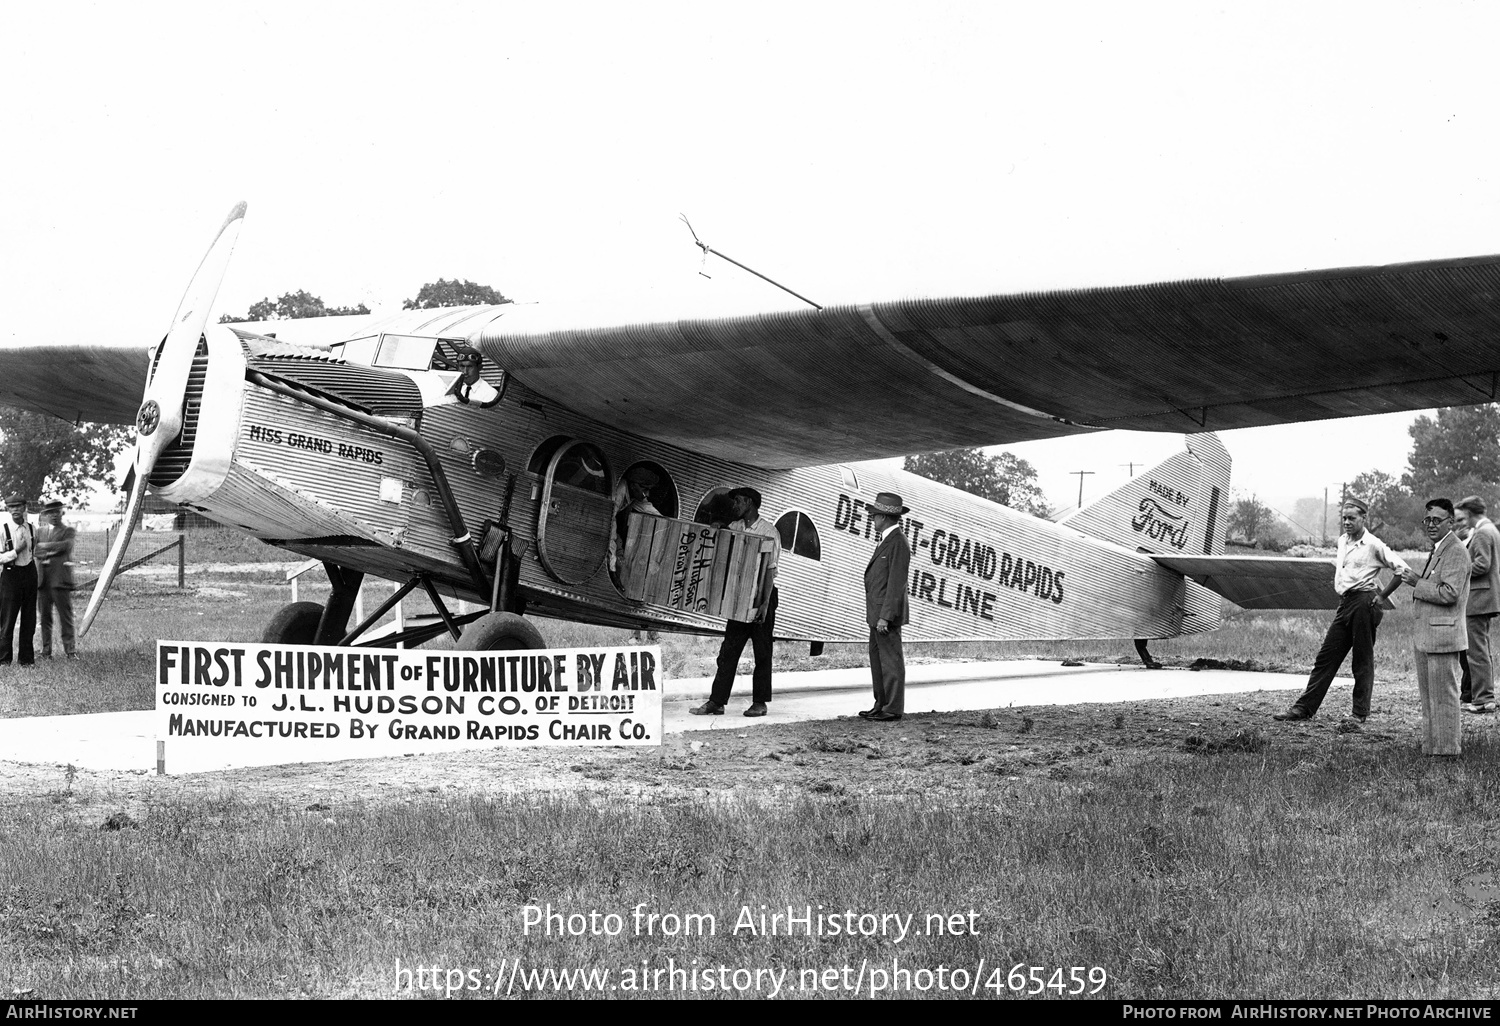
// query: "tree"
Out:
[1313,521]
[1248,518]
[1005,478]
[291,306]
[44,456]
[1395,513]
[1461,442]
[453,293]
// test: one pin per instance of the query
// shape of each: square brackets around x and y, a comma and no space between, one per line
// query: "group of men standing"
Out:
[36,576]
[1455,598]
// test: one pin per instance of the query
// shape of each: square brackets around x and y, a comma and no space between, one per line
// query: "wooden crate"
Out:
[693,567]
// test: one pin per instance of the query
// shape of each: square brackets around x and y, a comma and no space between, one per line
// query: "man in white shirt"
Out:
[17,583]
[470,388]
[1357,580]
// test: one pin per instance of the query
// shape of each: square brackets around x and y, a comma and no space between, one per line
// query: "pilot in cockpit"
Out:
[470,388]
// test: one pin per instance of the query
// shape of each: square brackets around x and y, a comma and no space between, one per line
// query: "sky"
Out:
[857,152]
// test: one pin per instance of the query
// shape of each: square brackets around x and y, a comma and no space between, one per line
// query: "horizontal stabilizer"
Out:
[1260,582]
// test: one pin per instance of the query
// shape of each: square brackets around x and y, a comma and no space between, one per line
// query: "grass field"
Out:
[1181,848]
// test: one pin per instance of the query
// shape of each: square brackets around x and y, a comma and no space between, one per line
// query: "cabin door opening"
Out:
[577,513]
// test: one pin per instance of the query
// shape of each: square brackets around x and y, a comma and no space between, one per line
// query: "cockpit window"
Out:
[410,352]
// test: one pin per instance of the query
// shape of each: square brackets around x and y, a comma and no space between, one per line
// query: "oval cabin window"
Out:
[799,535]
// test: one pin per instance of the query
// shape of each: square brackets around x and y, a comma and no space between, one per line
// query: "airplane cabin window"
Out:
[583,466]
[713,508]
[799,535]
[662,491]
[851,480]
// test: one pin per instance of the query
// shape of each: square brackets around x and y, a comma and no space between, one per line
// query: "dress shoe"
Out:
[1472,707]
[709,708]
[866,714]
[1292,714]
[756,709]
[885,717]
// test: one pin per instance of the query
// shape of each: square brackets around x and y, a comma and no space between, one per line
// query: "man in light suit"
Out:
[1484,602]
[886,608]
[1439,604]
[54,552]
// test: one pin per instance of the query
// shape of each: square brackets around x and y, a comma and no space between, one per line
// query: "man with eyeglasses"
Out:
[1356,578]
[1439,600]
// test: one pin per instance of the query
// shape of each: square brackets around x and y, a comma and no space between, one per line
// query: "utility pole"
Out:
[1080,474]
[1325,516]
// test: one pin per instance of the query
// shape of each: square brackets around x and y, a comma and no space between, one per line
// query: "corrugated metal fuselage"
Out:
[327,486]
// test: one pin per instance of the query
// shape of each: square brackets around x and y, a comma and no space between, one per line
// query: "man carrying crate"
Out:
[758,630]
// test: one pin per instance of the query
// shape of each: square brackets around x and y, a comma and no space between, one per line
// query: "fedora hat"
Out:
[52,504]
[889,503]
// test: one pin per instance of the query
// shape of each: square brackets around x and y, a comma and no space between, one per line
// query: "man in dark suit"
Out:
[17,583]
[54,552]
[1484,602]
[886,608]
[1439,603]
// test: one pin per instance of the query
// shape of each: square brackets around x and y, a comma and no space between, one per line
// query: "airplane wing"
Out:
[861,382]
[885,379]
[1260,582]
[100,383]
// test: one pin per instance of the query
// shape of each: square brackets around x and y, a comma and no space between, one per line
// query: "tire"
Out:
[500,632]
[294,624]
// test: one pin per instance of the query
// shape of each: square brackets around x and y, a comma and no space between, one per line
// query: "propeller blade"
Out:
[116,554]
[159,421]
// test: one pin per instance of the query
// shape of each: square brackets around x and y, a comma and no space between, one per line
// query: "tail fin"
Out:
[1178,506]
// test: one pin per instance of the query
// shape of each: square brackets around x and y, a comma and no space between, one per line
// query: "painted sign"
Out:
[364,703]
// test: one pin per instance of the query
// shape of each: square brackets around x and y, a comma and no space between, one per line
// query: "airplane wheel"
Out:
[294,624]
[498,632]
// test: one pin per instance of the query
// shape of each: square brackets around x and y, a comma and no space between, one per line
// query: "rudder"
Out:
[1179,505]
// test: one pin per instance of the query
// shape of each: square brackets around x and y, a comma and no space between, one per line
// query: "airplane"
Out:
[344,440]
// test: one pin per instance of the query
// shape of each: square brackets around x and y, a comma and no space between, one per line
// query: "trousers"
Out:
[736,633]
[1353,627]
[1480,678]
[888,671]
[62,599]
[18,602]
[1437,691]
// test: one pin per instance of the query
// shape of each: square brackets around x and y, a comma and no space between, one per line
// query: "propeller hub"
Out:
[148,418]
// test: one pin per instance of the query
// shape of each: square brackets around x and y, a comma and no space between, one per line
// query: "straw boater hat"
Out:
[889,503]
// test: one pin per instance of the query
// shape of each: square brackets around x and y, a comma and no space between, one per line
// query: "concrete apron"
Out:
[126,741]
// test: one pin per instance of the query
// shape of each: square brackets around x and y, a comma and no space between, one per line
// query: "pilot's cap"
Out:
[469,356]
[642,476]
